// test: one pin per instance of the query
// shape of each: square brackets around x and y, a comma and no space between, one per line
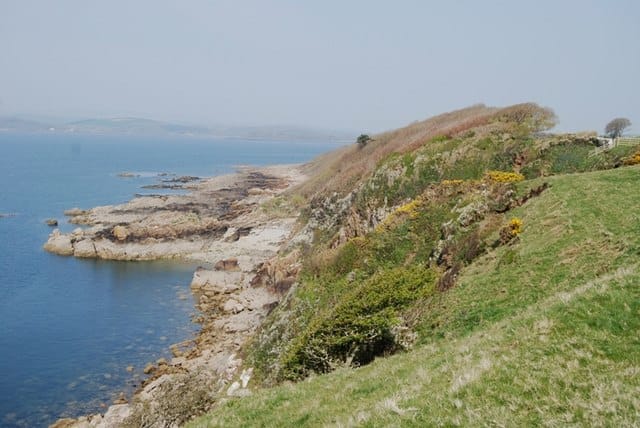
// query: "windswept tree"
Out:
[616,127]
[362,140]
[530,117]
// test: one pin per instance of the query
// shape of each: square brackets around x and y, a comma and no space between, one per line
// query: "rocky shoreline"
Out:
[222,223]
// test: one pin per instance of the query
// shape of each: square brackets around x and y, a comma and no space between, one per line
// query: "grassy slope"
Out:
[541,332]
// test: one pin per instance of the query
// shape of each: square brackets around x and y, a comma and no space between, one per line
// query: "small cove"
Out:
[69,328]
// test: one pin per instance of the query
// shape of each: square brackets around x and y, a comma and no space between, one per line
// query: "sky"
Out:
[361,65]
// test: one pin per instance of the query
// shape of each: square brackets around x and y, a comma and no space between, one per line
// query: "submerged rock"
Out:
[122,399]
[128,175]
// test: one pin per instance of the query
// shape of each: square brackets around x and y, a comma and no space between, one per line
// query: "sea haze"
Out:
[69,328]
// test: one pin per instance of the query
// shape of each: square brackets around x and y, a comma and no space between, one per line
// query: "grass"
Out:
[543,331]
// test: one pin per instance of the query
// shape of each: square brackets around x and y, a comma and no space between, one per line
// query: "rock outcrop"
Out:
[169,226]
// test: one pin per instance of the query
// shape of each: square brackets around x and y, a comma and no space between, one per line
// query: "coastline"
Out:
[223,223]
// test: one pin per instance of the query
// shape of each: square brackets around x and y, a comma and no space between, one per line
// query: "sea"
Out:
[75,333]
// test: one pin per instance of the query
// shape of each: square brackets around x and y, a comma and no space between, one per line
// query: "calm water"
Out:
[70,327]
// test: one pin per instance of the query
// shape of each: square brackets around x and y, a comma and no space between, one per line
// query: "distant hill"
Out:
[132,126]
[149,127]
[13,124]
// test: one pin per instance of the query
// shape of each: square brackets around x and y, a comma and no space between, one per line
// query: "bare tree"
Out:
[616,127]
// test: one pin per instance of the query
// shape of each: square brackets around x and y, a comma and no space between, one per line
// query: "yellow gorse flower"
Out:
[504,176]
[411,208]
[633,160]
[515,226]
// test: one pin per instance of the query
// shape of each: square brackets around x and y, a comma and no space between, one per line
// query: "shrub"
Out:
[515,226]
[632,160]
[411,208]
[510,231]
[360,327]
[504,176]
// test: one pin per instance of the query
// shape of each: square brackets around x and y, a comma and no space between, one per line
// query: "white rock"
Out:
[114,416]
[232,306]
[84,248]
[245,377]
[59,244]
[233,388]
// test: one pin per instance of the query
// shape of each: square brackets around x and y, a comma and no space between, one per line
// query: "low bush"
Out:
[361,326]
[633,159]
[504,176]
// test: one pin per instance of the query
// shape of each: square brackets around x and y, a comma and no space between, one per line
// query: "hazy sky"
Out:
[359,65]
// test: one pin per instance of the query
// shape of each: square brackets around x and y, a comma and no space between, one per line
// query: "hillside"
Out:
[539,332]
[469,269]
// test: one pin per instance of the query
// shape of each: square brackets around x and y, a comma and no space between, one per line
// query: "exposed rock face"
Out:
[84,248]
[228,264]
[59,244]
[166,226]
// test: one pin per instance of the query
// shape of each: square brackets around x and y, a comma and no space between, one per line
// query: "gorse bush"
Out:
[633,159]
[504,176]
[361,326]
[510,231]
[515,226]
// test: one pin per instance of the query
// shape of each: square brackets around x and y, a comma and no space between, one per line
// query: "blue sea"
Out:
[69,328]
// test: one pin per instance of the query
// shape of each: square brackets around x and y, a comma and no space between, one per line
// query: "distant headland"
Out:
[123,126]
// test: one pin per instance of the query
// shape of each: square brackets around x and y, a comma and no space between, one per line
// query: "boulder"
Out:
[227,265]
[59,244]
[84,248]
[232,306]
[212,289]
[215,282]
[63,423]
[51,222]
[115,416]
[120,233]
[255,191]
